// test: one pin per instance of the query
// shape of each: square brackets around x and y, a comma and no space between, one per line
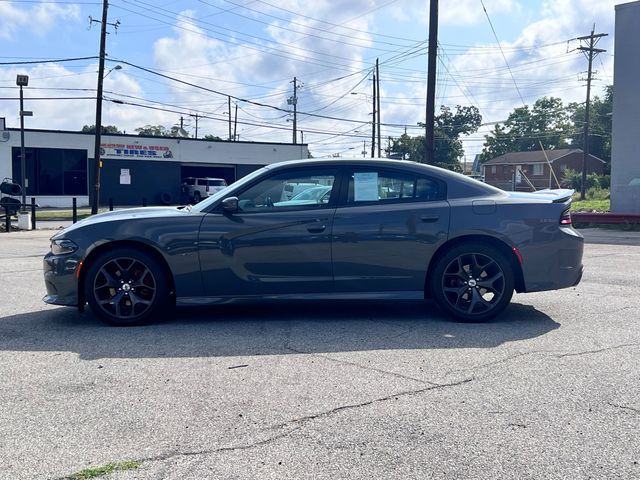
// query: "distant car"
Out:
[388,229]
[309,196]
[199,188]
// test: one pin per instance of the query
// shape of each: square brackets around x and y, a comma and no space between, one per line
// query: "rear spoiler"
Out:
[560,195]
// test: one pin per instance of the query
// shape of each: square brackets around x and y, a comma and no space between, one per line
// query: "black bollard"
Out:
[74,206]
[33,213]
[144,202]
[7,219]
[111,204]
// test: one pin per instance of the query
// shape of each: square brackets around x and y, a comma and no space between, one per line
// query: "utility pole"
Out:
[235,124]
[294,101]
[97,162]
[590,52]
[196,116]
[373,120]
[431,81]
[229,112]
[378,107]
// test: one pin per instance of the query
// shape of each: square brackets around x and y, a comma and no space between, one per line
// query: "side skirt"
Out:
[194,301]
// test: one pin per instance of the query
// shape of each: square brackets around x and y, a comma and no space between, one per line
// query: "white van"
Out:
[199,188]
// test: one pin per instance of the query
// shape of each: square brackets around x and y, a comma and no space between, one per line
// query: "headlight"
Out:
[63,246]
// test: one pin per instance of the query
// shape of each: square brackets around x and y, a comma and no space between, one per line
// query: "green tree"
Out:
[599,125]
[178,132]
[162,131]
[106,129]
[212,137]
[153,130]
[547,122]
[447,144]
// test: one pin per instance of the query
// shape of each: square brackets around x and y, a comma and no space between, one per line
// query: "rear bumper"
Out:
[555,264]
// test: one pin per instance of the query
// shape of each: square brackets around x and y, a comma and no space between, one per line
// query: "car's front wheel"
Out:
[473,282]
[126,286]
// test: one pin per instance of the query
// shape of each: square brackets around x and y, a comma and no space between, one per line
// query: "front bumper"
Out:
[60,279]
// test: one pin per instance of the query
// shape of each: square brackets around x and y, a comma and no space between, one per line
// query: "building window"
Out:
[493,169]
[52,171]
[563,167]
[538,169]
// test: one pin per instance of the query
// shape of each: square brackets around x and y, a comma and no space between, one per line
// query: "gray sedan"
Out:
[387,229]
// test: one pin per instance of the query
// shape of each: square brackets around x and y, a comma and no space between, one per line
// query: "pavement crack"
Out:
[600,350]
[496,362]
[295,424]
[539,352]
[342,408]
[624,407]
[358,365]
[193,453]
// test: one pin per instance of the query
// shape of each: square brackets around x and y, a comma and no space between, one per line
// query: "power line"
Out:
[501,51]
[56,60]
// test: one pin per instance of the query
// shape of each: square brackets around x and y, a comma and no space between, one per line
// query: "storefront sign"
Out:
[122,150]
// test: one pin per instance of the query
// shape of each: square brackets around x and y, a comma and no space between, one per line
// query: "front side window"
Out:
[382,186]
[292,190]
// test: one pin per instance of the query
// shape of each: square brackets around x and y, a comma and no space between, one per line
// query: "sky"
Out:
[182,61]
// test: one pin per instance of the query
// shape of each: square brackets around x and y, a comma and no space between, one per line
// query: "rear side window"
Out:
[386,186]
[218,182]
[190,181]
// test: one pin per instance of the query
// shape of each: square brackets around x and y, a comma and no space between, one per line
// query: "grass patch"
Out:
[591,205]
[104,470]
[64,214]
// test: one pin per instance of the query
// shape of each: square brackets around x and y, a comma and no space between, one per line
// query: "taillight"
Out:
[565,218]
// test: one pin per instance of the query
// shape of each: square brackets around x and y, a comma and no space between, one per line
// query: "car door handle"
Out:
[430,218]
[317,228]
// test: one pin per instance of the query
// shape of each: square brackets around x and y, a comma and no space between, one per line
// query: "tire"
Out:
[165,198]
[472,282]
[126,286]
[196,197]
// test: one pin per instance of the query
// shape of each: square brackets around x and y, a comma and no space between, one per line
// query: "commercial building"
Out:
[135,169]
[625,142]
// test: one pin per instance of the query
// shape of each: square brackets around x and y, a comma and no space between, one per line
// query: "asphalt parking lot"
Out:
[326,390]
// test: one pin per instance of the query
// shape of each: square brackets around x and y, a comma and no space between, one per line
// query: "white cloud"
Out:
[542,62]
[261,68]
[55,81]
[453,12]
[38,20]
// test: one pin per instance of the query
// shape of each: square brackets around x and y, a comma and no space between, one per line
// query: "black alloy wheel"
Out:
[125,286]
[197,197]
[472,282]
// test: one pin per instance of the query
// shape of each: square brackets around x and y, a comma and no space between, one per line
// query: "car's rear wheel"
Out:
[473,282]
[196,197]
[126,286]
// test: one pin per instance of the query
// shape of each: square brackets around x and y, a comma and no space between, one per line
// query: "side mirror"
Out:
[230,205]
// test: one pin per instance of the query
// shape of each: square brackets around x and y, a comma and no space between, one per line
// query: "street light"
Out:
[23,81]
[117,67]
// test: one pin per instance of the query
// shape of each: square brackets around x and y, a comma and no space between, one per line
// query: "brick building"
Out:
[508,171]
